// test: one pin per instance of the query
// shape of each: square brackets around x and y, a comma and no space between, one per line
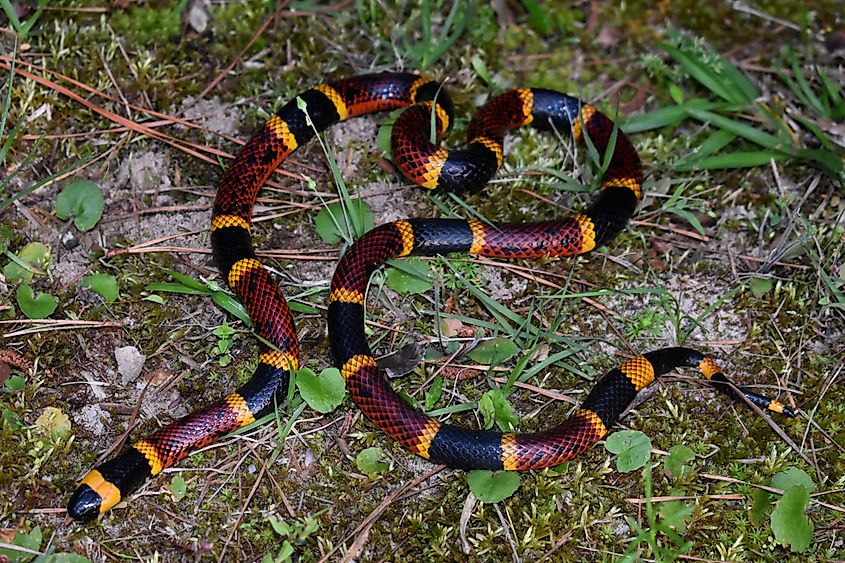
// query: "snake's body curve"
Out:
[432,167]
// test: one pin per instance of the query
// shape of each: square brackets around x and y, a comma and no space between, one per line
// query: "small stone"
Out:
[130,362]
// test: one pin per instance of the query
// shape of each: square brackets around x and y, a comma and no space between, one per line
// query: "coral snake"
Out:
[432,167]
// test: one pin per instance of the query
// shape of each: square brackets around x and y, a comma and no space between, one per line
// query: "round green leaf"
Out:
[323,393]
[791,477]
[333,227]
[494,352]
[410,277]
[369,461]
[632,447]
[32,259]
[678,456]
[15,383]
[178,487]
[789,522]
[34,306]
[760,286]
[103,285]
[492,487]
[81,200]
[53,422]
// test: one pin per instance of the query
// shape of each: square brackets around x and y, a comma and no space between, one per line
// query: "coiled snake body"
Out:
[432,167]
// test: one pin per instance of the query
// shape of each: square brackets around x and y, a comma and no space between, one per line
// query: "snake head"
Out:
[84,504]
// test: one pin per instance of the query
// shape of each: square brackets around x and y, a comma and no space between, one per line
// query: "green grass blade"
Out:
[712,144]
[700,72]
[737,85]
[827,161]
[661,117]
[448,35]
[7,102]
[833,93]
[744,130]
[739,82]
[538,15]
[452,409]
[554,359]
[743,159]
[172,287]
[807,94]
[4,150]
[816,131]
[11,14]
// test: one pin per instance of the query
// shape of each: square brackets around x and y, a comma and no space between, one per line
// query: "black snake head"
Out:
[84,505]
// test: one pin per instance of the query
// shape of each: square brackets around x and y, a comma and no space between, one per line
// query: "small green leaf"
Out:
[760,286]
[632,447]
[674,513]
[761,503]
[324,393]
[103,285]
[31,540]
[492,487]
[280,526]
[369,461]
[34,306]
[81,200]
[32,259]
[285,553]
[678,456]
[53,422]
[792,477]
[432,396]
[223,331]
[689,217]
[790,523]
[333,225]
[481,69]
[178,487]
[494,352]
[11,418]
[15,383]
[676,94]
[495,407]
[409,276]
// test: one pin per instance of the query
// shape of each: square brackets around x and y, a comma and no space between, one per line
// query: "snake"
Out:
[424,162]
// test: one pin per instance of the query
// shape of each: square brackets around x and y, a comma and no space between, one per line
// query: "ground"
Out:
[150,100]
